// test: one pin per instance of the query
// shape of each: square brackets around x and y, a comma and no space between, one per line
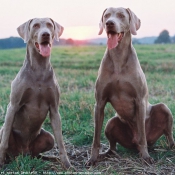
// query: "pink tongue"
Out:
[45,50]
[112,41]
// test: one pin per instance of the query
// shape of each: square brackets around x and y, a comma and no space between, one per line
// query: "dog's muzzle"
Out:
[113,36]
[44,47]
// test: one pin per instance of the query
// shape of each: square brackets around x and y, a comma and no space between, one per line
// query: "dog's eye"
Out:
[49,25]
[36,26]
[120,15]
[106,15]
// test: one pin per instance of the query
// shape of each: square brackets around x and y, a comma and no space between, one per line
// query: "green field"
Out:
[76,69]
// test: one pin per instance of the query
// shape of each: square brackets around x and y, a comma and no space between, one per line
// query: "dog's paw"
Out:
[67,165]
[91,162]
[72,169]
[148,160]
[65,161]
[108,153]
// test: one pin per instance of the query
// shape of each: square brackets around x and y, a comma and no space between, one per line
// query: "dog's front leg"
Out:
[6,130]
[99,117]
[140,120]
[56,126]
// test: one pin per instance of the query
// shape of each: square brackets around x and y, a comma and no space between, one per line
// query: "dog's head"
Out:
[117,22]
[41,32]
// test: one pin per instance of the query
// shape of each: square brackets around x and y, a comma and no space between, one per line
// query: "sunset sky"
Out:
[80,18]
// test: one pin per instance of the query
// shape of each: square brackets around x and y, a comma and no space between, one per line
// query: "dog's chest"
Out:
[35,103]
[37,97]
[36,94]
[122,94]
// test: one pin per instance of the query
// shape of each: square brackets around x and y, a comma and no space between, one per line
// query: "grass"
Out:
[76,69]
[25,164]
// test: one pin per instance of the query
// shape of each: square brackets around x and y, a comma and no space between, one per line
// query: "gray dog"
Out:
[122,82]
[34,93]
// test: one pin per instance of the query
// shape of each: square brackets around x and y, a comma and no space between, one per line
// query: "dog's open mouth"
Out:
[44,48]
[114,38]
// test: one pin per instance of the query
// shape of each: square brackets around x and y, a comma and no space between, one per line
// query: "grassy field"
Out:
[76,70]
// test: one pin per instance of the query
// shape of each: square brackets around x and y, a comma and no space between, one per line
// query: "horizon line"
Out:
[66,38]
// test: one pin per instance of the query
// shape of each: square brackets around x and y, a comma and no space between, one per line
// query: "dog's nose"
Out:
[109,23]
[45,34]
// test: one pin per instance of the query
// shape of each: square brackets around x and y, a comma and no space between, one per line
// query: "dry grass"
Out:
[112,165]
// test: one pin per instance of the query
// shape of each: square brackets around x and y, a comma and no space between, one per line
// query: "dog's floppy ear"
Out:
[58,29]
[101,24]
[134,22]
[23,30]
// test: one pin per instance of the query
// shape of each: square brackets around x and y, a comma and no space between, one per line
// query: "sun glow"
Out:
[80,32]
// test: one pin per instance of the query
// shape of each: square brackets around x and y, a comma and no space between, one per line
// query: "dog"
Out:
[122,83]
[34,94]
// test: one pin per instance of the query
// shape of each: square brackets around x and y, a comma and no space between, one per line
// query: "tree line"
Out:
[16,42]
[12,42]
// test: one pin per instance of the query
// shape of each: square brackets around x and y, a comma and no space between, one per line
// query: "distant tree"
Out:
[163,37]
[70,41]
[173,39]
[135,41]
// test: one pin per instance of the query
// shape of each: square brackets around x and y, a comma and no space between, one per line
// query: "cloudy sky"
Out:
[80,18]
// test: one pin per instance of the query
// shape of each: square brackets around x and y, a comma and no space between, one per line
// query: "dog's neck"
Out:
[35,60]
[119,55]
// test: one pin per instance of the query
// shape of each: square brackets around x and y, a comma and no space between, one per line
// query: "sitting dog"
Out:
[122,83]
[34,93]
